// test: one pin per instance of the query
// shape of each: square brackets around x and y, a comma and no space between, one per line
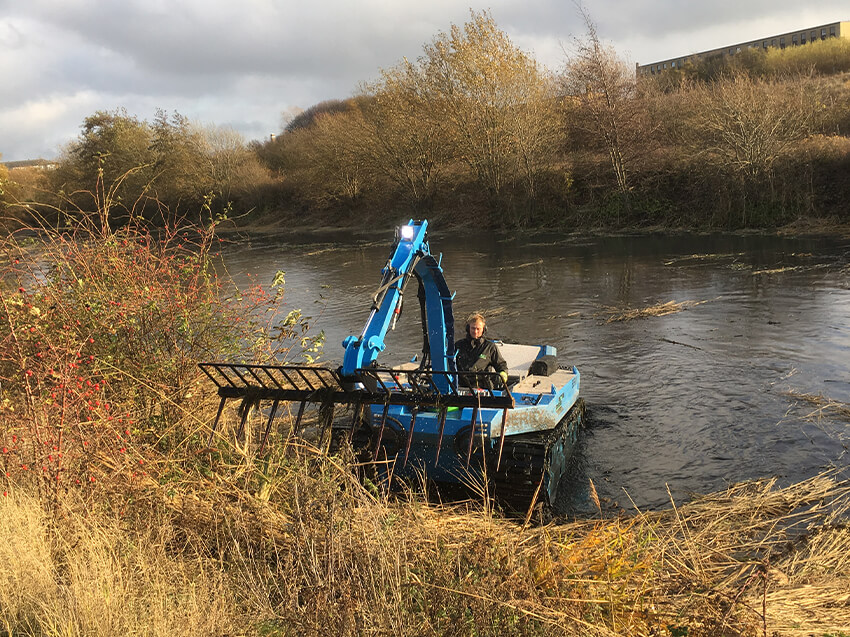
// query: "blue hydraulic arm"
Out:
[410,257]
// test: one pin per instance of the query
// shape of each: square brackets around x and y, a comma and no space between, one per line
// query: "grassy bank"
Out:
[758,140]
[315,554]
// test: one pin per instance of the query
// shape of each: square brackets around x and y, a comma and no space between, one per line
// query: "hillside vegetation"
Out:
[476,126]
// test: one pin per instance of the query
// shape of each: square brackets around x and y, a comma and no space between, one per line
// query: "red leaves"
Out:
[134,310]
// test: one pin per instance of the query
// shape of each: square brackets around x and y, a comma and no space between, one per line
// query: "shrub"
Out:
[100,335]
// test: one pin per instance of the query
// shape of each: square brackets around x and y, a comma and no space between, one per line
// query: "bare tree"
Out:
[406,144]
[224,152]
[606,91]
[743,125]
[336,155]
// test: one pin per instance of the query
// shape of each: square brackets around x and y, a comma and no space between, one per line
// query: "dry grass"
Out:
[96,575]
[697,259]
[662,309]
[296,546]
[780,270]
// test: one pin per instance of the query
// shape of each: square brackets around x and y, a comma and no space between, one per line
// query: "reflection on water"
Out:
[691,401]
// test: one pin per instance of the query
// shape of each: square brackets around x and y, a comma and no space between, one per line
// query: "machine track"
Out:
[529,459]
[532,464]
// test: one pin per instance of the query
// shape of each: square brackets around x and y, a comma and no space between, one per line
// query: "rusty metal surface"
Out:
[541,402]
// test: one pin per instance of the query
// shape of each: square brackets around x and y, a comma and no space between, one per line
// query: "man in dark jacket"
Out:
[475,353]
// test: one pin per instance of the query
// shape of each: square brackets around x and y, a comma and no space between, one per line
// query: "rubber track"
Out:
[526,458]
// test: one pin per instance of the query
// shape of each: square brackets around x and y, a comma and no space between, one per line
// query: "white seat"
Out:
[518,357]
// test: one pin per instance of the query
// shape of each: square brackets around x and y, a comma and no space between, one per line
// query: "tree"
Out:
[181,172]
[170,164]
[404,142]
[495,103]
[224,155]
[307,118]
[336,155]
[743,125]
[610,108]
[114,149]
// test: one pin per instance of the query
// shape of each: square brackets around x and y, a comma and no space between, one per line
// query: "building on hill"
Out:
[782,40]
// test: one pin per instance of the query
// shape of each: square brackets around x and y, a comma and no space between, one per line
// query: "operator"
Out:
[475,353]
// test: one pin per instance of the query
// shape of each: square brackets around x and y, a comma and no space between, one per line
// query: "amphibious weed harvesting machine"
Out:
[427,418]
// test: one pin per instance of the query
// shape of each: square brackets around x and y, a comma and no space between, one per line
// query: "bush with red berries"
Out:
[101,331]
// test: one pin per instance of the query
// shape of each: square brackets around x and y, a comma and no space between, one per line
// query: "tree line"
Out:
[476,126]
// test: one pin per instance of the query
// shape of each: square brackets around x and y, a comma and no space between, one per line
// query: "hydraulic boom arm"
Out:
[410,258]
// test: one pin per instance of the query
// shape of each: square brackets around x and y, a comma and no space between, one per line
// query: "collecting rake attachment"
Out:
[415,389]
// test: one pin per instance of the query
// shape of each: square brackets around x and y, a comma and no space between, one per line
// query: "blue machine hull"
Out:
[539,435]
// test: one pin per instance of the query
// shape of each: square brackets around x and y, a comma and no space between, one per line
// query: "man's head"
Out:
[475,325]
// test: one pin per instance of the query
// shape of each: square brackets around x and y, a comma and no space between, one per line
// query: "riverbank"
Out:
[337,227]
[294,545]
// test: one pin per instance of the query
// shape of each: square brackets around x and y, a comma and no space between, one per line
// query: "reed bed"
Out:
[294,544]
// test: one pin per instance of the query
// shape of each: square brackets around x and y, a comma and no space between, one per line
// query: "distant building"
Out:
[792,38]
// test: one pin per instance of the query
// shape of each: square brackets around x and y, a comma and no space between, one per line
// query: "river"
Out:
[678,404]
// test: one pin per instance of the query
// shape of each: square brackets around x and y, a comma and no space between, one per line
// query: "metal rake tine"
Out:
[358,410]
[215,422]
[443,413]
[245,407]
[300,415]
[326,422]
[294,428]
[269,425]
[471,435]
[409,437]
[381,430]
[502,439]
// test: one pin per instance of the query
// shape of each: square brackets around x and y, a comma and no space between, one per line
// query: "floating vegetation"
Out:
[828,415]
[703,257]
[824,406]
[777,270]
[662,309]
[322,250]
[522,265]
[734,264]
[697,259]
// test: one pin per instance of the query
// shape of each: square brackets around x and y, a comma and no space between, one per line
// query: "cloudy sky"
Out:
[247,63]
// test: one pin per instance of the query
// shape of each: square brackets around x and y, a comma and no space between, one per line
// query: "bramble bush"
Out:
[101,332]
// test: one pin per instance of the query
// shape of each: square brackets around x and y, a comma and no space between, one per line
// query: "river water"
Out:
[678,404]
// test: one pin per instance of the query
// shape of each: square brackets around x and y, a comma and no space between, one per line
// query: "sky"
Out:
[251,64]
